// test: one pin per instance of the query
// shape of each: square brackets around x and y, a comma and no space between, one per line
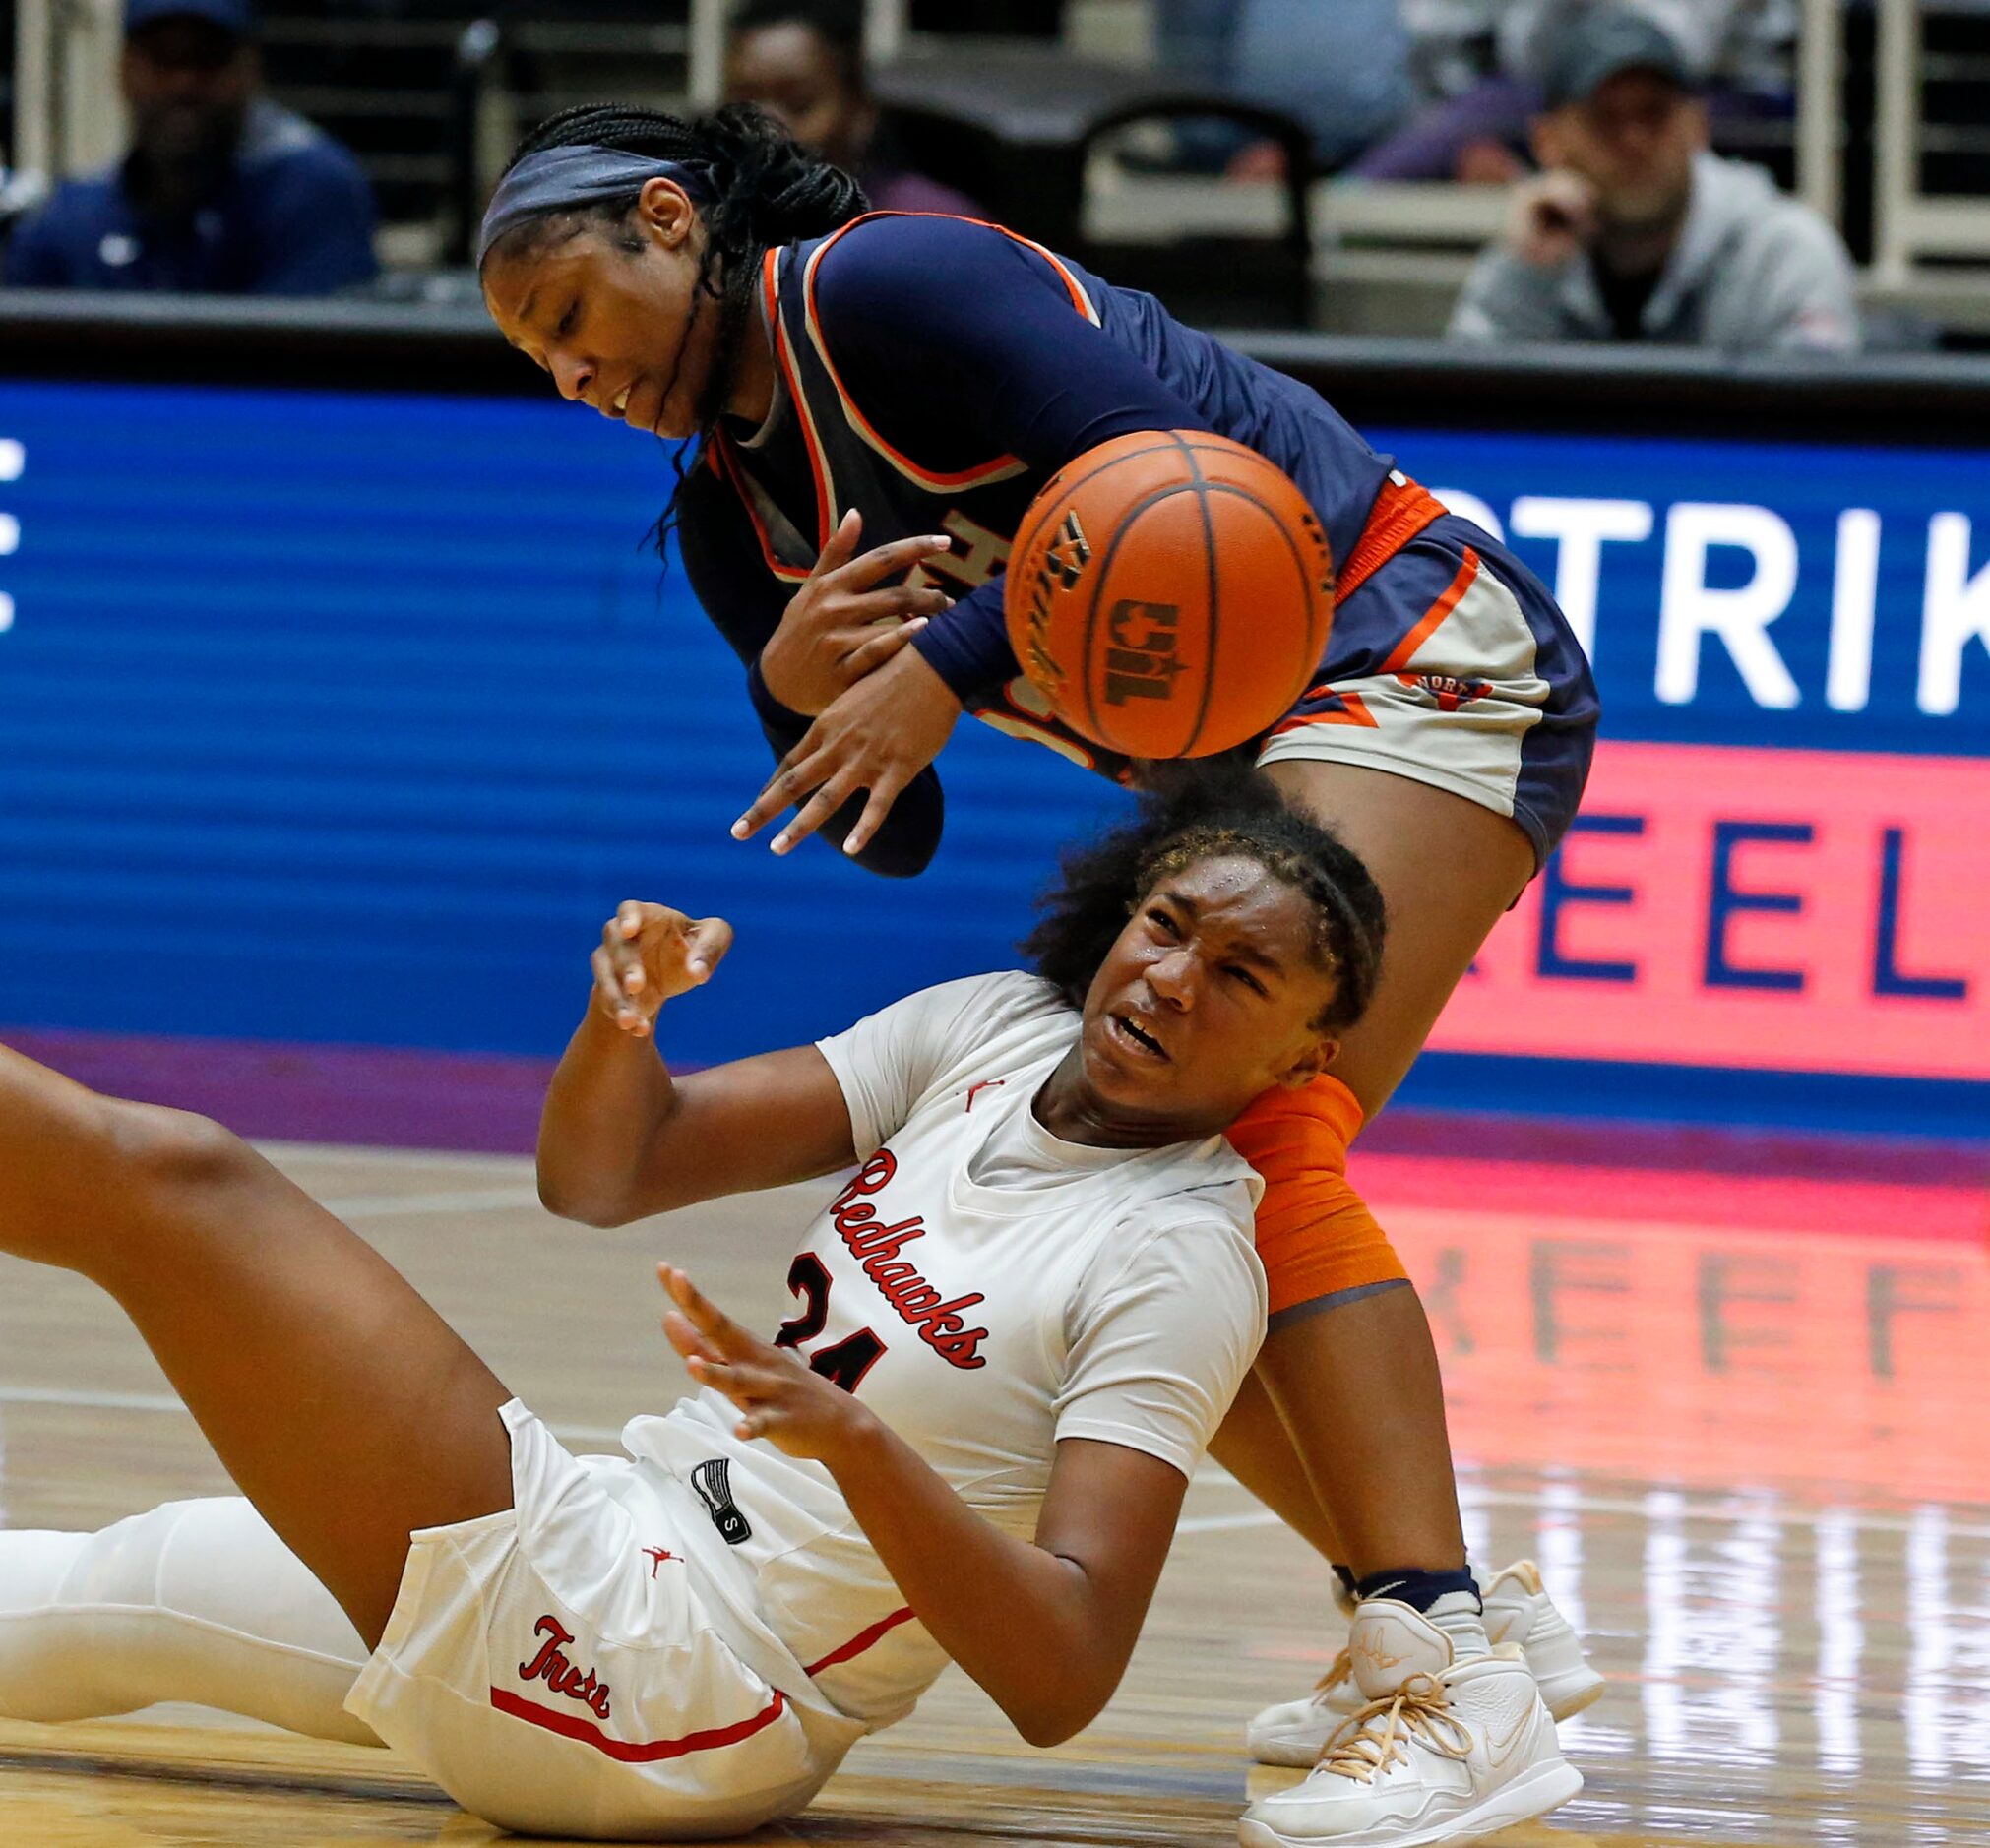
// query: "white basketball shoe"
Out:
[1442,1753]
[1517,1609]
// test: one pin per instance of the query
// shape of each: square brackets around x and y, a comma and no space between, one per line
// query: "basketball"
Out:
[1170,593]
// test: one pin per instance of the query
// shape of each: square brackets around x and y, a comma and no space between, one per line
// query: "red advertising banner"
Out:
[1778,910]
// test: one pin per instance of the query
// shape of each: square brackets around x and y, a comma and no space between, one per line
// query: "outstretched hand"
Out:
[877,736]
[650,954]
[777,1396]
[840,626]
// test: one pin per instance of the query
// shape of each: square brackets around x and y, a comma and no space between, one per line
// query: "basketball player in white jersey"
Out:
[1017,1326]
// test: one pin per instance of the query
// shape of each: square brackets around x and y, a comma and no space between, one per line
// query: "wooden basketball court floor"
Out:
[1740,1421]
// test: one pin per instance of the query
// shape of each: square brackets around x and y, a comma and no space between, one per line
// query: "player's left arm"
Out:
[941,323]
[1046,1626]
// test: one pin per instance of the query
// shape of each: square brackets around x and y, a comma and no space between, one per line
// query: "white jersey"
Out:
[988,1290]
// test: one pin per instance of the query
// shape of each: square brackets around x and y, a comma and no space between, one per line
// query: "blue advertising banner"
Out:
[329,718]
[347,718]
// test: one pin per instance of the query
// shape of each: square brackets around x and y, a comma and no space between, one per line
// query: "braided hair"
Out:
[764,190]
[1191,815]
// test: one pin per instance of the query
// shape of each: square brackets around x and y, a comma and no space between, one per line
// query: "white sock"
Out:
[196,1601]
[1459,1616]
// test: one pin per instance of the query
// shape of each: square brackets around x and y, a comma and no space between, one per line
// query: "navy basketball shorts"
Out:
[1451,664]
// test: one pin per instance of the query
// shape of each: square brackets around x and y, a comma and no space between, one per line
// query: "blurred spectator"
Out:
[223,191]
[1636,232]
[804,61]
[1341,68]
[1738,50]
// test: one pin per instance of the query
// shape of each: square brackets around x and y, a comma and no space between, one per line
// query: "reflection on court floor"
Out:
[1737,1419]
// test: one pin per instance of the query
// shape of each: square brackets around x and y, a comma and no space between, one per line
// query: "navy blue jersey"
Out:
[934,373]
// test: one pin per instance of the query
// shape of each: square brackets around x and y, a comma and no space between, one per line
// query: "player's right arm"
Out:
[622,1138]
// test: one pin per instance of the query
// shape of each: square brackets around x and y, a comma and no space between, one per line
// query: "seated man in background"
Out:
[1635,232]
[802,61]
[223,192]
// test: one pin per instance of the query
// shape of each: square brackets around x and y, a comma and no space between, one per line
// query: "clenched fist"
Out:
[650,954]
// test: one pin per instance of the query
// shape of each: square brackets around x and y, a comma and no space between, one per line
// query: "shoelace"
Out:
[1341,1670]
[1368,1742]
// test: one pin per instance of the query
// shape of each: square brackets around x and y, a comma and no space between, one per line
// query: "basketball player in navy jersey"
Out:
[906,384]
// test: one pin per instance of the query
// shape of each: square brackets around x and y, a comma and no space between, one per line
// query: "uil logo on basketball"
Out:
[1141,663]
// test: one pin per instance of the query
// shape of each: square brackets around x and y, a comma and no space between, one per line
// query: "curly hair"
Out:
[1189,815]
[764,190]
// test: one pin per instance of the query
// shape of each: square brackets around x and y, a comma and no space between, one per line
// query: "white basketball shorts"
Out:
[565,1668]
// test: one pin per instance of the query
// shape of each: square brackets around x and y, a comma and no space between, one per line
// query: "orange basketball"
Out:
[1170,593]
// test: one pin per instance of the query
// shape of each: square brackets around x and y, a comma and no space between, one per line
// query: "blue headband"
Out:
[558,179]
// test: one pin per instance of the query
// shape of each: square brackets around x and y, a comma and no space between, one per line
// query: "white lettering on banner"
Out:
[1955,611]
[13,459]
[1469,506]
[1690,608]
[1855,590]
[1579,528]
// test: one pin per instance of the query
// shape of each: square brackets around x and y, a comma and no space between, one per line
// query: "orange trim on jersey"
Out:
[1003,467]
[818,460]
[1314,1234]
[571,1726]
[723,463]
[1400,512]
[1355,712]
[1433,617]
[864,1639]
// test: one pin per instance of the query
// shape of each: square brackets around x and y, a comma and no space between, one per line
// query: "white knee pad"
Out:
[194,1601]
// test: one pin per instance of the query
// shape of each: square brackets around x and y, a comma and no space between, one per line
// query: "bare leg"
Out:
[1358,1389]
[343,1407]
[1255,1447]
[1358,1386]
